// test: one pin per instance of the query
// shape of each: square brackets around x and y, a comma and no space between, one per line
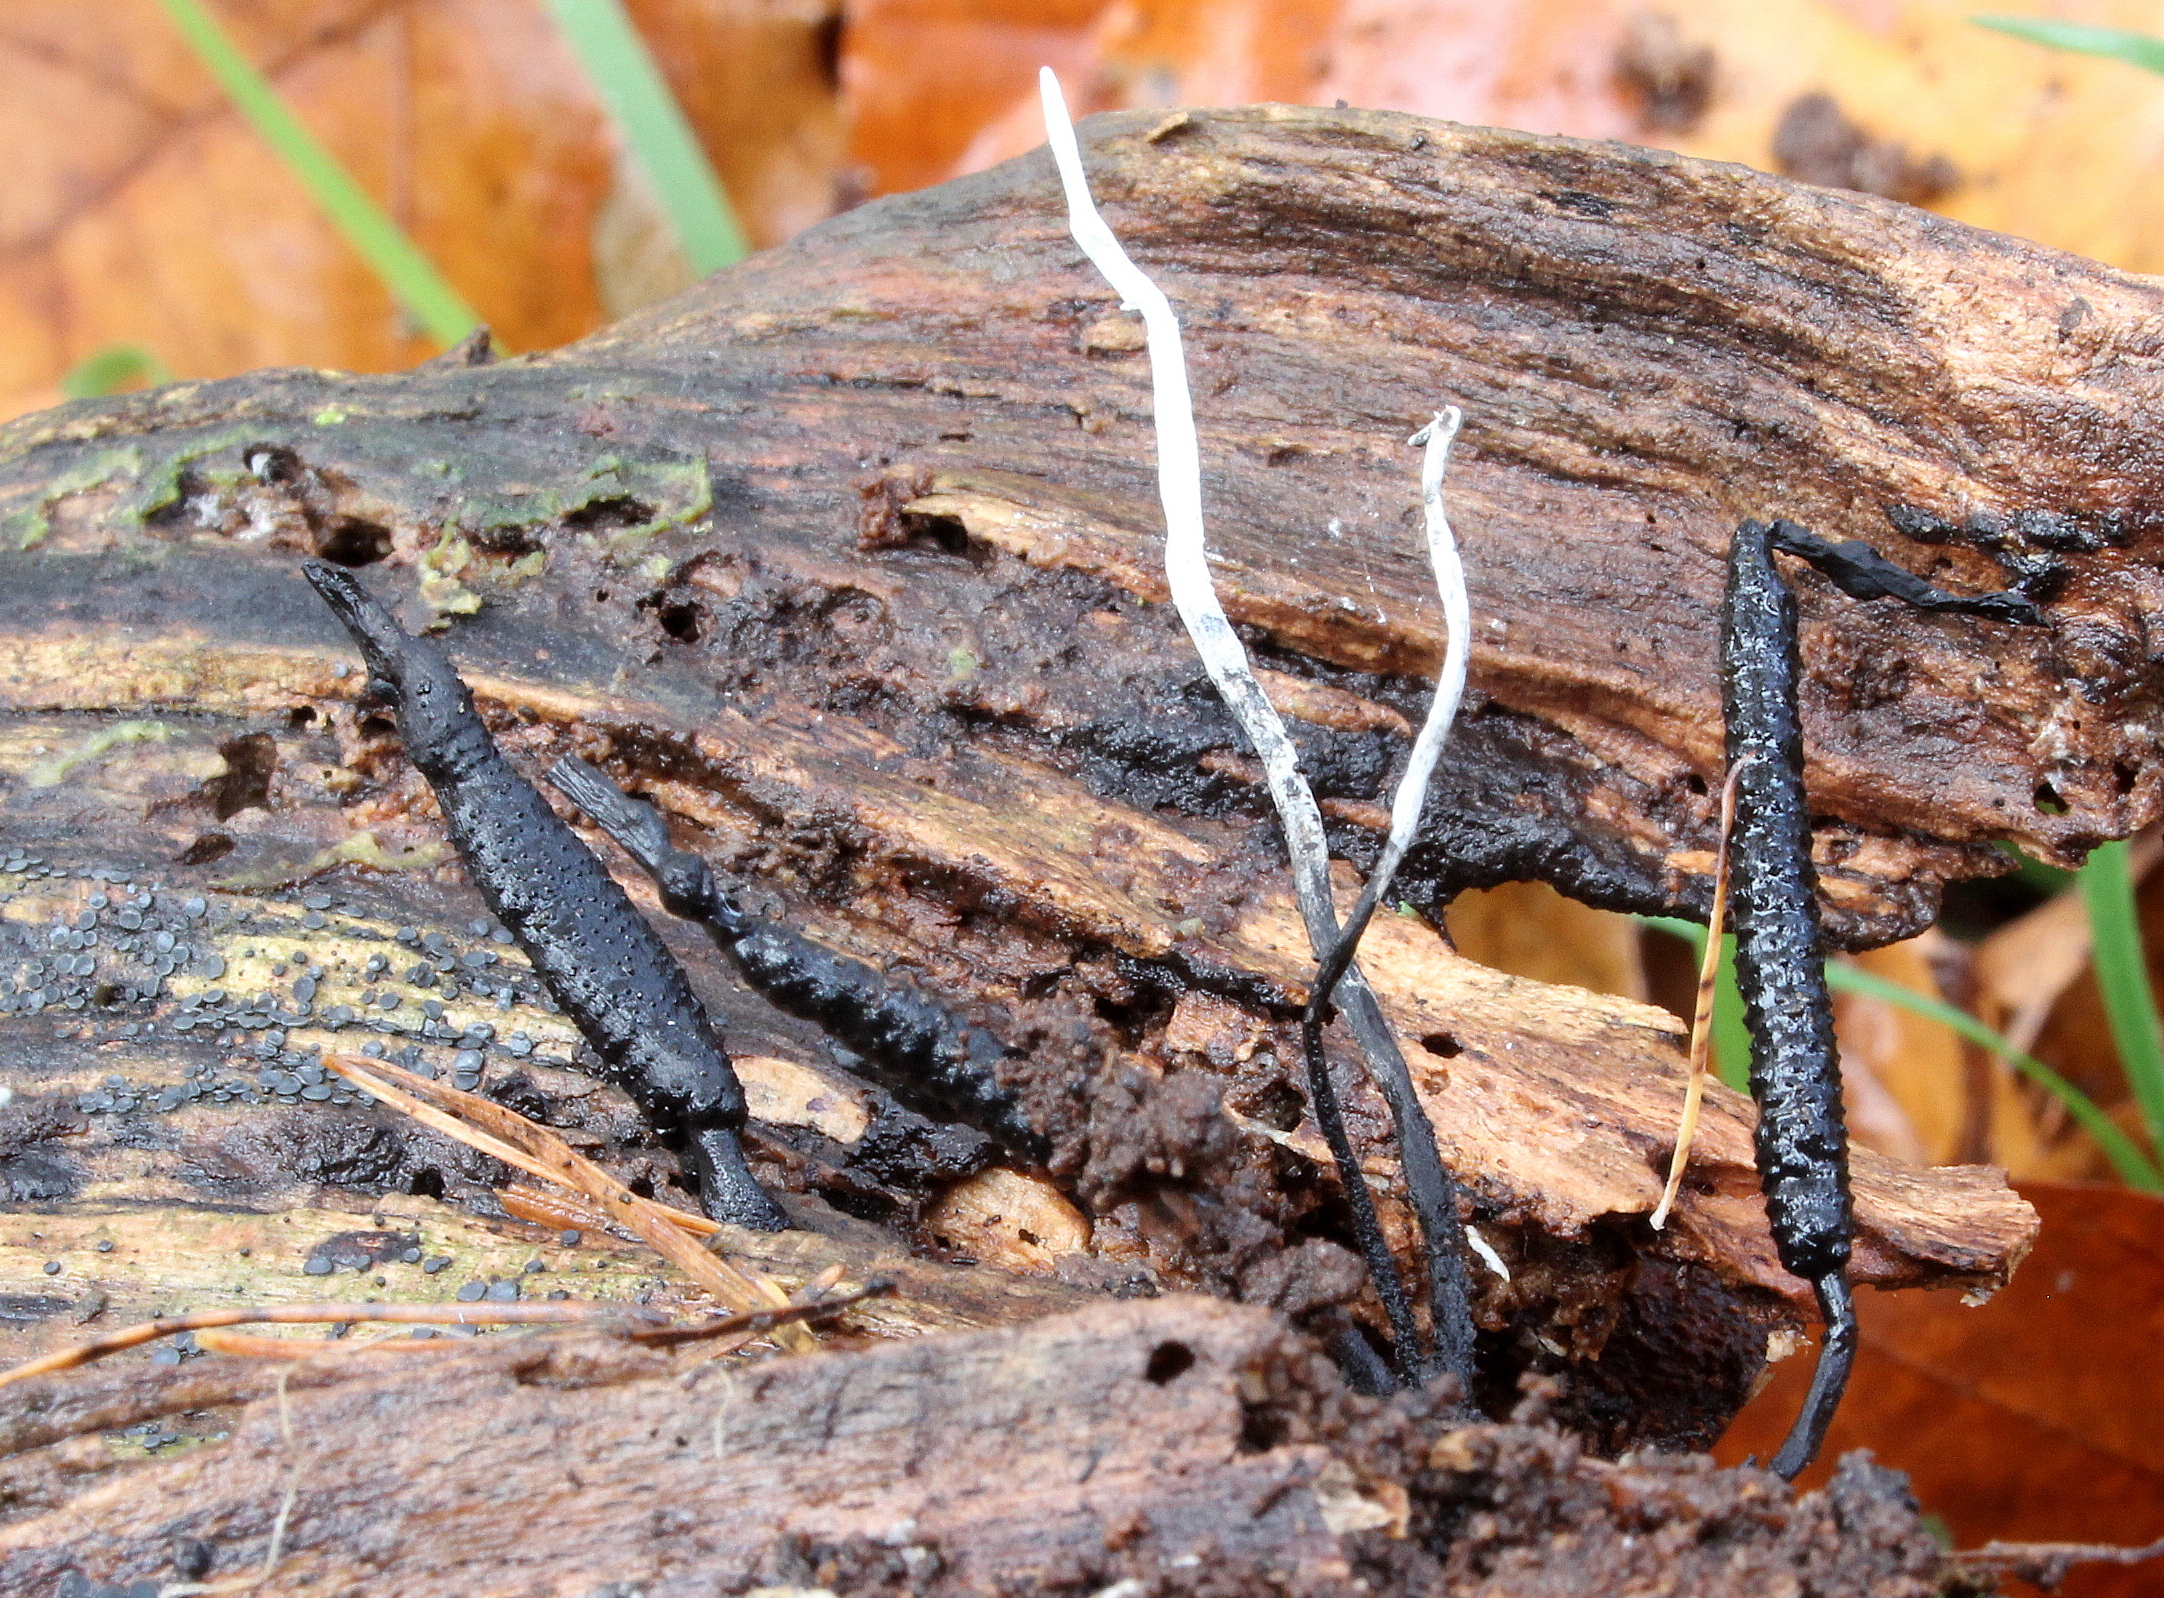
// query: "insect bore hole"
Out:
[1442,1045]
[1263,1427]
[944,535]
[679,618]
[2048,800]
[351,542]
[1168,1363]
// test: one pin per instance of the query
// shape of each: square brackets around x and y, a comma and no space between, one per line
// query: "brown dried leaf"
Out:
[2033,984]
[1904,1078]
[1530,930]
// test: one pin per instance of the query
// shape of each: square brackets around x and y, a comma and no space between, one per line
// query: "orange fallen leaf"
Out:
[1904,97]
[1530,930]
[2031,1418]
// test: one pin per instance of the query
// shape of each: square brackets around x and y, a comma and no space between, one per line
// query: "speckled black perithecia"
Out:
[605,966]
[1802,1144]
[928,1057]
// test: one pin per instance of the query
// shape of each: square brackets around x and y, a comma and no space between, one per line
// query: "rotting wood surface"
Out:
[849,559]
[1183,1444]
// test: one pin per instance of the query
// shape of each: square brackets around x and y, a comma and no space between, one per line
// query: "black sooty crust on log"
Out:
[608,969]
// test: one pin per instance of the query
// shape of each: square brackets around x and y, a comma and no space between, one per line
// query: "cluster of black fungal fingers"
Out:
[1802,1144]
[606,968]
[929,1058]
[609,971]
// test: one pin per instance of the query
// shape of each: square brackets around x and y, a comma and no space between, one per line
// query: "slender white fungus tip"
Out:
[1412,790]
[1486,1250]
[1406,804]
[1187,567]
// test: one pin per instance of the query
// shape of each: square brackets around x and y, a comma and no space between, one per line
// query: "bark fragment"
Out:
[1186,1445]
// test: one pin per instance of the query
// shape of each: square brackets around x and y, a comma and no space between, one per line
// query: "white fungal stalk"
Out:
[1179,484]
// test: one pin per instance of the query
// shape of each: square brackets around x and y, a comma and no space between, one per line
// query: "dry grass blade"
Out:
[1709,970]
[555,1208]
[2046,1564]
[486,1125]
[201,1320]
[250,1345]
[740,1329]
[627,1320]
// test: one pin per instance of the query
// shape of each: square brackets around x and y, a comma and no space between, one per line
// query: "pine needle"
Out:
[505,1134]
[1709,971]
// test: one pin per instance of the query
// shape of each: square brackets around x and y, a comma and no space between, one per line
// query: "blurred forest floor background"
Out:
[145,226]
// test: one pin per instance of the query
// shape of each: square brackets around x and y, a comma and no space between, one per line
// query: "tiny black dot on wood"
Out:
[1262,1428]
[1168,1362]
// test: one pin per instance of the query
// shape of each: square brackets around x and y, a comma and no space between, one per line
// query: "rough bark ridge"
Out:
[848,558]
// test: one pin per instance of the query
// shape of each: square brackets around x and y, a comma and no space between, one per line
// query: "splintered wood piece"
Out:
[1648,349]
[1554,1104]
[149,1253]
[128,1337]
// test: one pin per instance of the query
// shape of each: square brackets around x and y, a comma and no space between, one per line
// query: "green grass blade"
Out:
[653,124]
[2135,1168]
[114,370]
[410,276]
[1731,1038]
[2122,974]
[2033,873]
[2118,44]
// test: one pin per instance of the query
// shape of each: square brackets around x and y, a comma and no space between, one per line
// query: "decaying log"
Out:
[1184,1445]
[848,559]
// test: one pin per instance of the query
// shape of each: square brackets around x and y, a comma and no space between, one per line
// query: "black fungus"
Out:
[923,1052]
[1802,1144]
